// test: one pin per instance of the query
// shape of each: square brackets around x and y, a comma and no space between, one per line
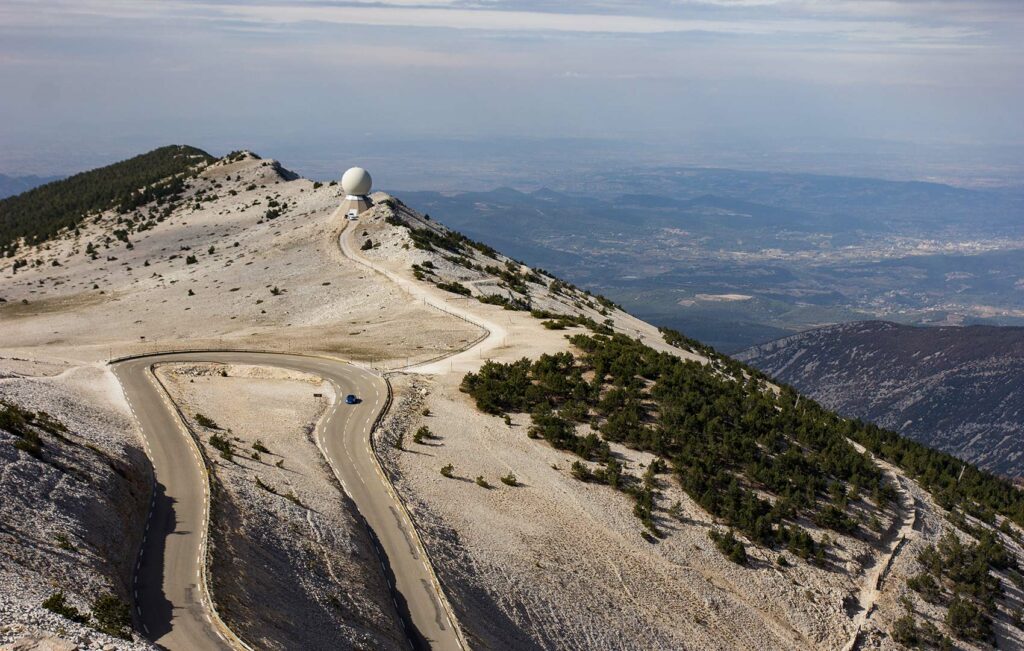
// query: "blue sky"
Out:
[112,76]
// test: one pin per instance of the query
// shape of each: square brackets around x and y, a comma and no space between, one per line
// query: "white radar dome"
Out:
[356,181]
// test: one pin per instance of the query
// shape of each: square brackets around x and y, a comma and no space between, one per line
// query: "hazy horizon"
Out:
[902,89]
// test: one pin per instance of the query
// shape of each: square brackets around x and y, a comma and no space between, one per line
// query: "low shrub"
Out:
[112,616]
[222,444]
[57,603]
[30,445]
[455,288]
[207,422]
[422,434]
[967,621]
[730,546]
[581,471]
[266,487]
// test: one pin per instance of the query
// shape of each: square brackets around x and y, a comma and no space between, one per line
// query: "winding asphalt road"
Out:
[170,601]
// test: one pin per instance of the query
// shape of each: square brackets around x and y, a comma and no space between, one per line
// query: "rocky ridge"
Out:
[957,389]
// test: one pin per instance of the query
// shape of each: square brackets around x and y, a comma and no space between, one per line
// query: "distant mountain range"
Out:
[738,258]
[12,185]
[958,389]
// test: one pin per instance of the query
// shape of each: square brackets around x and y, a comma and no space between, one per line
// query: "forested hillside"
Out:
[771,466]
[726,433]
[730,433]
[42,212]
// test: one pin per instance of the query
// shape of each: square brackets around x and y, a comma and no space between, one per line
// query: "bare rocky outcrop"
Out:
[71,509]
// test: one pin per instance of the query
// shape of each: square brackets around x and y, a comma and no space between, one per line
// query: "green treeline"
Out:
[953,481]
[42,212]
[728,437]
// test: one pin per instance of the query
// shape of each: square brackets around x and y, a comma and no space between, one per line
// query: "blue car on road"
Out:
[351,399]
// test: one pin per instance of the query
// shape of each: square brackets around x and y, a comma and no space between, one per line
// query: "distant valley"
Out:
[738,258]
[12,185]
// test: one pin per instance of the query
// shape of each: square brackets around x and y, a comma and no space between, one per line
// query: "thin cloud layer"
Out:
[894,23]
[658,70]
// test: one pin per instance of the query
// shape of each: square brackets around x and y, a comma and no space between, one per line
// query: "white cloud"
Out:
[535,21]
[447,14]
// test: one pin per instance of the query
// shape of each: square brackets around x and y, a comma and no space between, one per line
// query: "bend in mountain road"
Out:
[171,601]
[467,358]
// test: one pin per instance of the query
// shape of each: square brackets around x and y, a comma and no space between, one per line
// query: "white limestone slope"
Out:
[68,519]
[560,564]
[150,296]
[553,563]
[256,283]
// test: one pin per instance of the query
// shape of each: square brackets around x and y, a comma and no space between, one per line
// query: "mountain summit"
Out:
[563,474]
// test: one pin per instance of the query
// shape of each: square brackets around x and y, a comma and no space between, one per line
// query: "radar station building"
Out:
[356,183]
